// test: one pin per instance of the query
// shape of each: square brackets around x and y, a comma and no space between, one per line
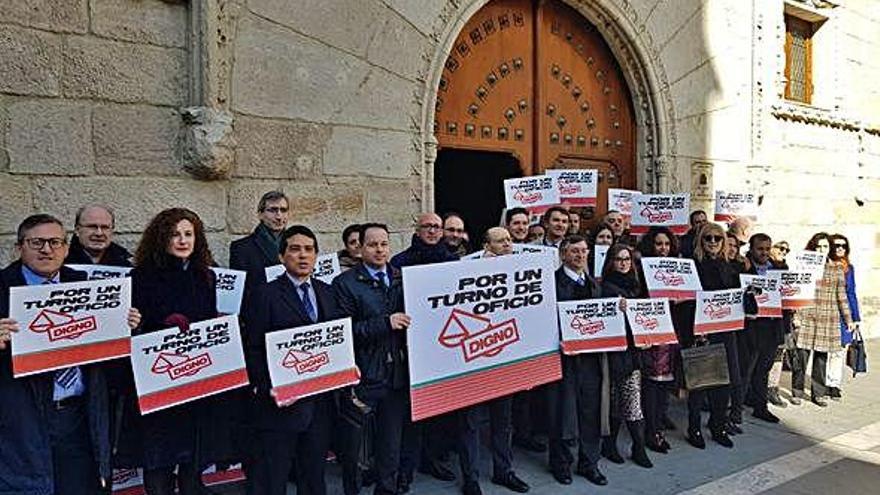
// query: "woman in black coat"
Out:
[620,278]
[173,285]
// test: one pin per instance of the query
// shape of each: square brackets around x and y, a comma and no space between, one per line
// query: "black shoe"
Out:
[720,437]
[664,443]
[471,488]
[695,438]
[736,416]
[796,397]
[668,424]
[593,475]
[733,428]
[765,415]
[613,455]
[773,397]
[834,393]
[562,475]
[655,443]
[437,470]
[531,444]
[511,482]
[819,401]
[640,457]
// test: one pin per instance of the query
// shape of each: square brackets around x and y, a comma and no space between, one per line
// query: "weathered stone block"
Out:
[391,202]
[359,151]
[668,17]
[279,149]
[123,72]
[136,199]
[15,201]
[50,137]
[30,61]
[137,140]
[386,44]
[423,15]
[146,21]
[69,16]
[7,249]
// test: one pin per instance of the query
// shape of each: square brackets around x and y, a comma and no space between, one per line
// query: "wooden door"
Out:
[533,78]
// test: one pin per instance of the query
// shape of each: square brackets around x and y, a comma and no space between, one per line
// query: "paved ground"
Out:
[813,450]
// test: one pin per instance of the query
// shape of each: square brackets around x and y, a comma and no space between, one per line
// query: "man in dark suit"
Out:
[54,426]
[300,431]
[574,402]
[92,244]
[259,250]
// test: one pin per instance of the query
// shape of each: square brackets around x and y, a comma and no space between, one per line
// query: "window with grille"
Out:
[798,59]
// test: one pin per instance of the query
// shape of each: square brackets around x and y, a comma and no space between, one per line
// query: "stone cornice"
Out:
[818,116]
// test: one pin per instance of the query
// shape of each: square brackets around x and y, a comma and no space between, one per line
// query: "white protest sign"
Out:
[808,261]
[578,187]
[592,325]
[599,253]
[480,330]
[537,192]
[175,366]
[327,267]
[719,311]
[770,298]
[102,272]
[621,200]
[69,324]
[675,278]
[229,289]
[798,289]
[660,210]
[730,205]
[650,322]
[311,359]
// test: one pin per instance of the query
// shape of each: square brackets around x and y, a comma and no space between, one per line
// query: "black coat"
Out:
[25,451]
[622,363]
[277,306]
[115,255]
[766,332]
[380,352]
[247,255]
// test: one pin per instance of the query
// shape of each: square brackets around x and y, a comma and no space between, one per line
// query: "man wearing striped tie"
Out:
[54,426]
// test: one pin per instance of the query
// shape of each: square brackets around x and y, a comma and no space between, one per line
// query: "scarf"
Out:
[267,241]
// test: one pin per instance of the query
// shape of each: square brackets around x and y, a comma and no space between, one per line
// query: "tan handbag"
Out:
[705,366]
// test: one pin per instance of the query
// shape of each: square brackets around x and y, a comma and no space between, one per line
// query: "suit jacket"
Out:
[245,254]
[26,459]
[278,306]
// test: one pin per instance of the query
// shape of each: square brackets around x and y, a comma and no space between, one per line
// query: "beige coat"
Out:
[819,326]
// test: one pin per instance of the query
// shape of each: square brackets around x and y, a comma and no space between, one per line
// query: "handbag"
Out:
[856,356]
[705,366]
[353,410]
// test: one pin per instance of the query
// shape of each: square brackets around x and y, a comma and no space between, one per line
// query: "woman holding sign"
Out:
[173,286]
[619,278]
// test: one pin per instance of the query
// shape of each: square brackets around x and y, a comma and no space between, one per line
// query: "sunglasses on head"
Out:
[713,238]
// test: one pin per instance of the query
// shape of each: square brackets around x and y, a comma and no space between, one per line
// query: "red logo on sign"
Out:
[762,298]
[668,279]
[121,476]
[790,290]
[716,312]
[180,365]
[585,326]
[569,189]
[61,325]
[656,216]
[527,198]
[304,362]
[731,206]
[476,335]
[646,322]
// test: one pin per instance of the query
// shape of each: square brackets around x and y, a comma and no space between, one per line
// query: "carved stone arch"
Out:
[619,24]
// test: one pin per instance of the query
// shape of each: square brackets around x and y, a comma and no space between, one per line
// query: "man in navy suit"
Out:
[300,431]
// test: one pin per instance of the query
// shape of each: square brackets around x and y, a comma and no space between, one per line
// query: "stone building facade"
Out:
[143,104]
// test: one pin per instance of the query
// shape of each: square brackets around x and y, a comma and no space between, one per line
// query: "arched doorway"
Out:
[533,83]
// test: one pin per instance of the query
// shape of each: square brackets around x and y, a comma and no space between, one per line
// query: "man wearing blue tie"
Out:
[300,431]
[54,426]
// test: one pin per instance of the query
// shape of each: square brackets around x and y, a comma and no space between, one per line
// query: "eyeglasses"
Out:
[37,243]
[276,209]
[713,238]
[454,231]
[841,245]
[782,248]
[619,258]
[430,226]
[96,227]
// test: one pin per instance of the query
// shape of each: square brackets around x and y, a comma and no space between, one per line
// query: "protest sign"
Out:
[719,311]
[798,289]
[599,253]
[69,324]
[650,322]
[311,359]
[536,193]
[578,187]
[729,206]
[675,278]
[621,200]
[327,267]
[229,289]
[480,330]
[592,325]
[175,366]
[768,297]
[660,210]
[102,272]
[131,481]
[808,261]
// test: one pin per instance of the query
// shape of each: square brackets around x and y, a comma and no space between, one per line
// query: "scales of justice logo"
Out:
[476,335]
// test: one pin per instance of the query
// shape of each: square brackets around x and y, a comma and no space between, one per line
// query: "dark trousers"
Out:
[277,450]
[499,413]
[73,463]
[162,481]
[818,388]
[437,443]
[756,367]
[391,413]
[578,394]
[719,397]
[655,404]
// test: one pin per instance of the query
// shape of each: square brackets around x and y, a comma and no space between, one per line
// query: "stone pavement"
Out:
[813,450]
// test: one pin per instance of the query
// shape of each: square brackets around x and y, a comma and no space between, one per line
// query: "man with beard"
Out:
[454,234]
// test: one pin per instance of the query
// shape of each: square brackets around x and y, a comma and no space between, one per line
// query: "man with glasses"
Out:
[454,234]
[92,242]
[54,426]
[425,247]
[259,250]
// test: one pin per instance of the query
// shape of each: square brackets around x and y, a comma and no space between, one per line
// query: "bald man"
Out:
[426,246]
[92,242]
[497,242]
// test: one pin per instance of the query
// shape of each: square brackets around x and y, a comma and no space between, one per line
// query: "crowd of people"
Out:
[62,432]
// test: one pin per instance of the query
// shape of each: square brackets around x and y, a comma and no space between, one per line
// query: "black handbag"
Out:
[856,356]
[705,366]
